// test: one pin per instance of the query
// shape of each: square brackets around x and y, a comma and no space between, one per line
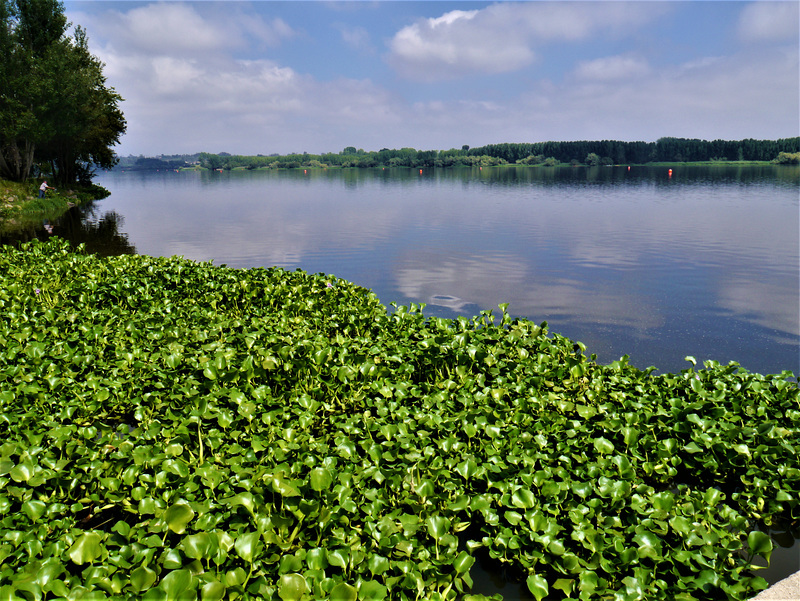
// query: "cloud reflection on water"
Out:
[640,261]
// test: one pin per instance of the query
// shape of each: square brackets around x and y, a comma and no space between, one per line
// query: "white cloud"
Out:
[453,44]
[173,75]
[704,99]
[613,68]
[185,98]
[770,21]
[356,38]
[183,29]
[503,37]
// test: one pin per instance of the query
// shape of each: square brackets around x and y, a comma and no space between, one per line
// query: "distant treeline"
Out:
[604,152]
[142,163]
[667,150]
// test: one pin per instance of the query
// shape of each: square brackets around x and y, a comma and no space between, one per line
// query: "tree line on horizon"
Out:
[603,152]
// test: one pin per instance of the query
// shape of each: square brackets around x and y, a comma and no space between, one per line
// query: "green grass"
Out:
[21,207]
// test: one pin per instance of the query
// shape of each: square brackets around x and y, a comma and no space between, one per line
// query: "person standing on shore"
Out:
[43,188]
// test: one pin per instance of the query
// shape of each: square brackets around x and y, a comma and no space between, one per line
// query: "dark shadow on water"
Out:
[80,225]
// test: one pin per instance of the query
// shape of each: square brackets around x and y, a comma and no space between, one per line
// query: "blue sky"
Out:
[281,77]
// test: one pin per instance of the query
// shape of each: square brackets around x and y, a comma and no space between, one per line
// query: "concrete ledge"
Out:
[787,589]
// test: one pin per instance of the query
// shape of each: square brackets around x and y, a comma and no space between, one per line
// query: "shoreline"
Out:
[787,589]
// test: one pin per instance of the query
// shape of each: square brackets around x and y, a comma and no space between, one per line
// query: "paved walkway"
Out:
[787,589]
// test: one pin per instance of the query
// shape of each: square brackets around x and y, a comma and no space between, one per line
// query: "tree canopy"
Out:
[586,152]
[56,112]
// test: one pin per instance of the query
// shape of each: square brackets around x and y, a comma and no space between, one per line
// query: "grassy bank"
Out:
[21,207]
[176,430]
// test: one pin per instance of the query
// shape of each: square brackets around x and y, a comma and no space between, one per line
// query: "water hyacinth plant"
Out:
[176,430]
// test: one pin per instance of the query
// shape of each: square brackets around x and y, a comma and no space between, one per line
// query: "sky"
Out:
[284,77]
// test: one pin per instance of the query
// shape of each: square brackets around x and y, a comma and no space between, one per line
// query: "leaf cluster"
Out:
[178,430]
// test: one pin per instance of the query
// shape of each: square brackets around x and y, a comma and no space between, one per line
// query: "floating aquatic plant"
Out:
[177,430]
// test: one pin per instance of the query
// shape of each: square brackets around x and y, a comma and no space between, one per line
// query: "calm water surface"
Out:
[704,262]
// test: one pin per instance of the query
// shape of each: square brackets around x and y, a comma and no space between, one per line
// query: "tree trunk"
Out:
[16,164]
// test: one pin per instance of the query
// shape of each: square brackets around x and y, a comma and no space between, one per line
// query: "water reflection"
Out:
[84,224]
[98,231]
[636,262]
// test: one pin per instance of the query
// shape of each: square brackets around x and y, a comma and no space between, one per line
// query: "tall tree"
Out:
[82,116]
[55,107]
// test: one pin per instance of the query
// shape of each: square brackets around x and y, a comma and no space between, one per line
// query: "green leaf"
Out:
[212,591]
[244,499]
[198,546]
[463,562]
[86,549]
[338,557]
[344,592]
[588,582]
[760,544]
[22,472]
[523,498]
[176,583]
[370,590]
[378,564]
[34,509]
[317,560]
[565,585]
[178,517]
[603,446]
[649,545]
[467,468]
[292,587]
[320,478]
[437,526]
[246,545]
[537,585]
[142,578]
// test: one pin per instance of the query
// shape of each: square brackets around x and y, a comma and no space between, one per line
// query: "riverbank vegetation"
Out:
[178,430]
[57,116]
[787,158]
[21,207]
[592,153]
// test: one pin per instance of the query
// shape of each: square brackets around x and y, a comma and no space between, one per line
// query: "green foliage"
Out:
[592,153]
[21,208]
[663,150]
[787,158]
[172,429]
[55,108]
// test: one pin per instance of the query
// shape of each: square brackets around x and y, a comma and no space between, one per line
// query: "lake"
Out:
[637,262]
[703,261]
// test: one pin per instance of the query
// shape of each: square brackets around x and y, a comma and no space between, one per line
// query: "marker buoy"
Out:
[420,171]
[670,172]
